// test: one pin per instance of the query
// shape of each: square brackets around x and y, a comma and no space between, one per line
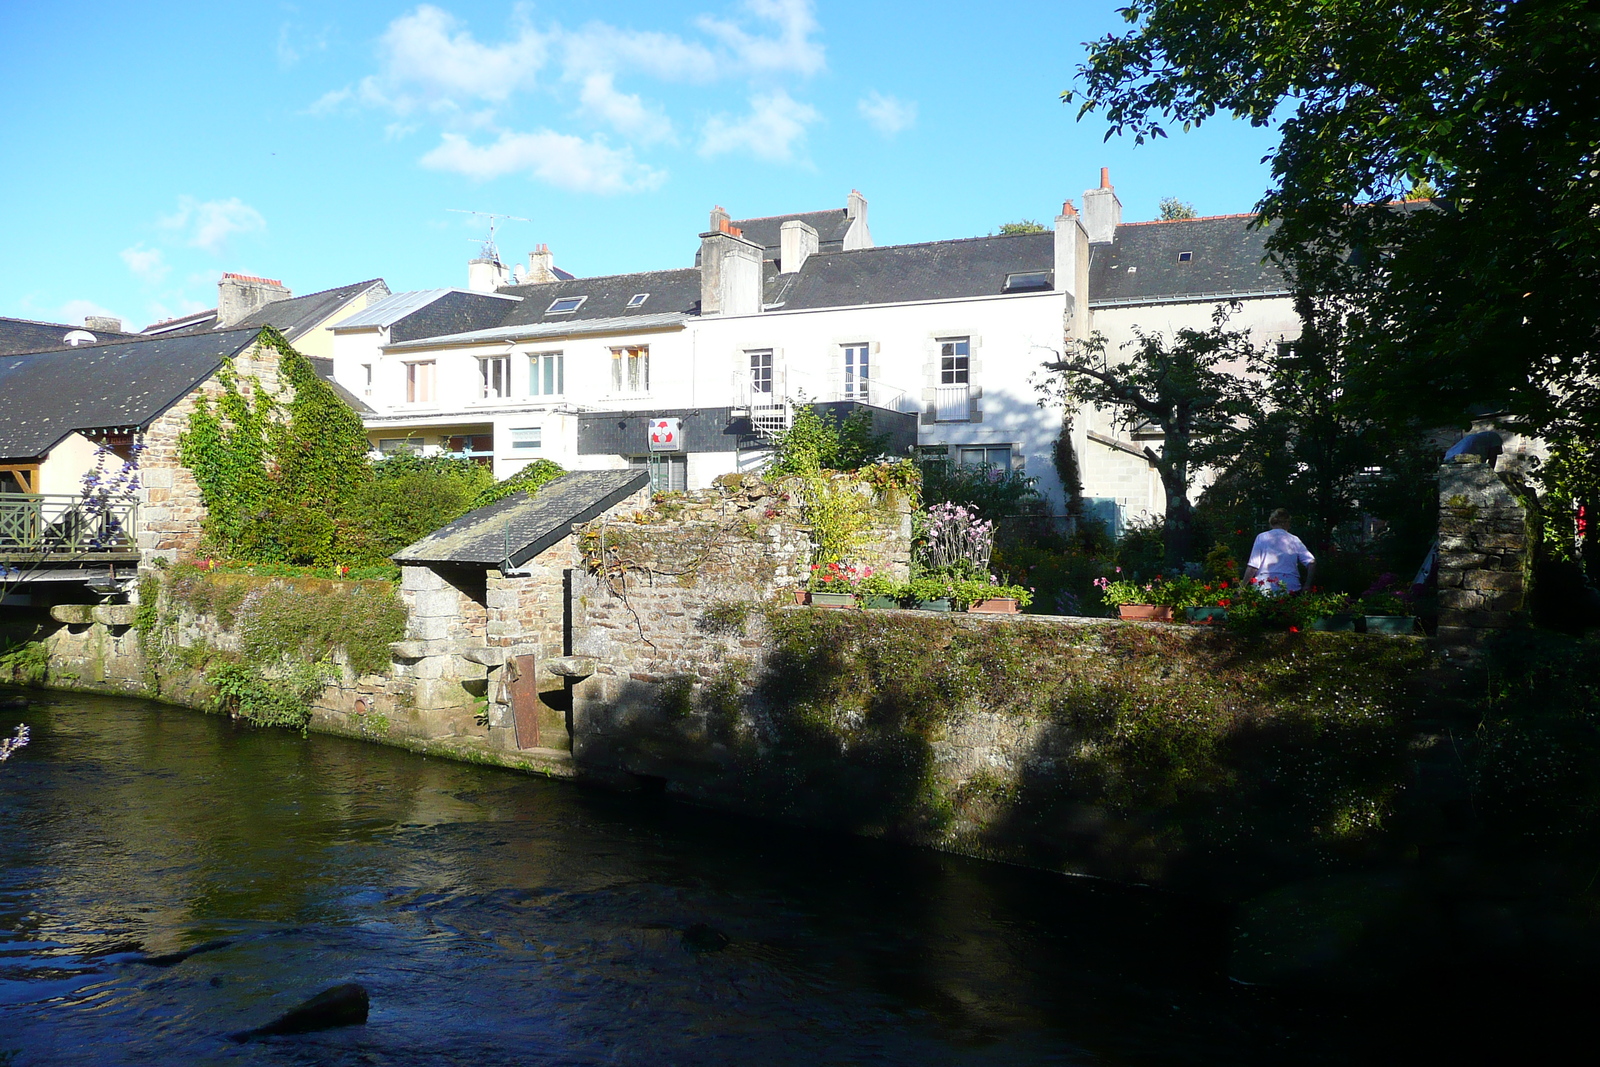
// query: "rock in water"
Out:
[702,938]
[173,958]
[343,1005]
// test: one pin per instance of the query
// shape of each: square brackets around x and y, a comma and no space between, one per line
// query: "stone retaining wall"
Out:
[1487,536]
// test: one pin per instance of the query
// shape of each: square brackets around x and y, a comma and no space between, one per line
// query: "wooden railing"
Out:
[57,525]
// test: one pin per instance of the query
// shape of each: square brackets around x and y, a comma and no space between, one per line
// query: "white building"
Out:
[941,341]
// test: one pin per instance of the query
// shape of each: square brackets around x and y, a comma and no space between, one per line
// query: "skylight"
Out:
[1184,257]
[637,300]
[565,304]
[1022,281]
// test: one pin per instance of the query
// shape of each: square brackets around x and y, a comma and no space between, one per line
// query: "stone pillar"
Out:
[1487,540]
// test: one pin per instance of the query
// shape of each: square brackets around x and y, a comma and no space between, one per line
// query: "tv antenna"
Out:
[489,250]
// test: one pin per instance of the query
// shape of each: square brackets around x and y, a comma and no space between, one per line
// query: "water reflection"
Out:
[500,919]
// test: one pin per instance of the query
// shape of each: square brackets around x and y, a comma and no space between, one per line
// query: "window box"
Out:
[833,600]
[995,605]
[1144,613]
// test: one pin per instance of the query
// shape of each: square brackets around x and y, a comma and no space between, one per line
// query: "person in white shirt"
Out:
[1276,557]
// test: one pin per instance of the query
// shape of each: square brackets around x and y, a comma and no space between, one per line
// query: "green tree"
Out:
[1011,229]
[817,442]
[1184,387]
[1486,296]
[1173,208]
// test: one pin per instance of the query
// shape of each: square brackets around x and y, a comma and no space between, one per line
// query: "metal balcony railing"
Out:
[60,525]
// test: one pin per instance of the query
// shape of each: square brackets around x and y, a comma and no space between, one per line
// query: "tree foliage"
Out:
[1021,226]
[1173,208]
[1186,387]
[817,442]
[1486,295]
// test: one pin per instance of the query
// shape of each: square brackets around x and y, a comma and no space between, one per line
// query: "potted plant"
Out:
[1326,611]
[833,585]
[1213,601]
[1132,600]
[990,598]
[1177,594]
[931,592]
[1384,611]
[880,591]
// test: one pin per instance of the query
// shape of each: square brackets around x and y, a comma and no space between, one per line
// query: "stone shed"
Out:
[489,611]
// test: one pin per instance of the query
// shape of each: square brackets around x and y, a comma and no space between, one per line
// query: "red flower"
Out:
[1294,629]
[1223,603]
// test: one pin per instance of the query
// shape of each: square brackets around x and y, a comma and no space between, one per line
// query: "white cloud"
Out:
[560,159]
[623,112]
[886,114]
[429,62]
[146,264]
[793,50]
[294,45]
[208,224]
[73,312]
[771,131]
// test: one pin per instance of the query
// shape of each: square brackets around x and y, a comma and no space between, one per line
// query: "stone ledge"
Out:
[73,614]
[486,657]
[115,614]
[572,666]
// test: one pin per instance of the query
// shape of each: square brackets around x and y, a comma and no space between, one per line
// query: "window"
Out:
[630,369]
[390,446]
[761,371]
[1027,280]
[668,473]
[954,360]
[366,379]
[637,300]
[857,372]
[419,382]
[478,447]
[547,374]
[527,437]
[997,457]
[494,377]
[1184,257]
[562,305]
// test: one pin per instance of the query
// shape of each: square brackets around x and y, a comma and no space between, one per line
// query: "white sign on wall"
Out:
[666,435]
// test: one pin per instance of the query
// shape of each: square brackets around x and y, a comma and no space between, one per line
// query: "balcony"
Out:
[953,403]
[63,528]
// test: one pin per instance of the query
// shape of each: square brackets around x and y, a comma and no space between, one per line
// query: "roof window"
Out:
[1184,257]
[1027,280]
[565,304]
[637,300]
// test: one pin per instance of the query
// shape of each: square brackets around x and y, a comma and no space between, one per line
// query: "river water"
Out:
[500,919]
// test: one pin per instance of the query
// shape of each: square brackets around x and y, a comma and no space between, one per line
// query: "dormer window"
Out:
[1027,281]
[637,300]
[565,305]
[1184,257]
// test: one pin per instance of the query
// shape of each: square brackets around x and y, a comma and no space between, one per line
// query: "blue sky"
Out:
[150,147]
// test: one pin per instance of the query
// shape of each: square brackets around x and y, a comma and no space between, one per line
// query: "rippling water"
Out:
[499,919]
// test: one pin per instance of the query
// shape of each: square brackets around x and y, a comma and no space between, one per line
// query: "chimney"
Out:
[855,209]
[240,294]
[730,270]
[1102,211]
[541,265]
[797,242]
[103,323]
[1072,270]
[486,275]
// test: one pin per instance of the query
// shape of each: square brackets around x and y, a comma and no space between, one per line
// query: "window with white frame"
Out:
[637,300]
[954,360]
[857,372]
[669,473]
[565,304]
[366,379]
[547,374]
[494,377]
[630,370]
[527,438]
[760,370]
[995,457]
[419,382]
[390,446]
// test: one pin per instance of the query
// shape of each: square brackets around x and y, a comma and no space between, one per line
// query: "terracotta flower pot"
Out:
[1144,613]
[801,597]
[995,605]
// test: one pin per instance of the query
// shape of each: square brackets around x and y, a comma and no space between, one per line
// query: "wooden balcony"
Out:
[64,529]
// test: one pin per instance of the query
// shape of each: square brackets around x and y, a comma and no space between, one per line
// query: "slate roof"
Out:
[937,270]
[580,328]
[608,295]
[26,335]
[1142,264]
[831,226]
[44,396]
[293,318]
[324,368]
[520,527]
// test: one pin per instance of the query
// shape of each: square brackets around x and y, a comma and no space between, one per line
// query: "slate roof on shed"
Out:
[1226,257]
[520,527]
[26,335]
[44,396]
[937,270]
[608,295]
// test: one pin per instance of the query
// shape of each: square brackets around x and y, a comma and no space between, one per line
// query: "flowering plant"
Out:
[1119,591]
[954,538]
[838,577]
[1180,592]
[1388,596]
